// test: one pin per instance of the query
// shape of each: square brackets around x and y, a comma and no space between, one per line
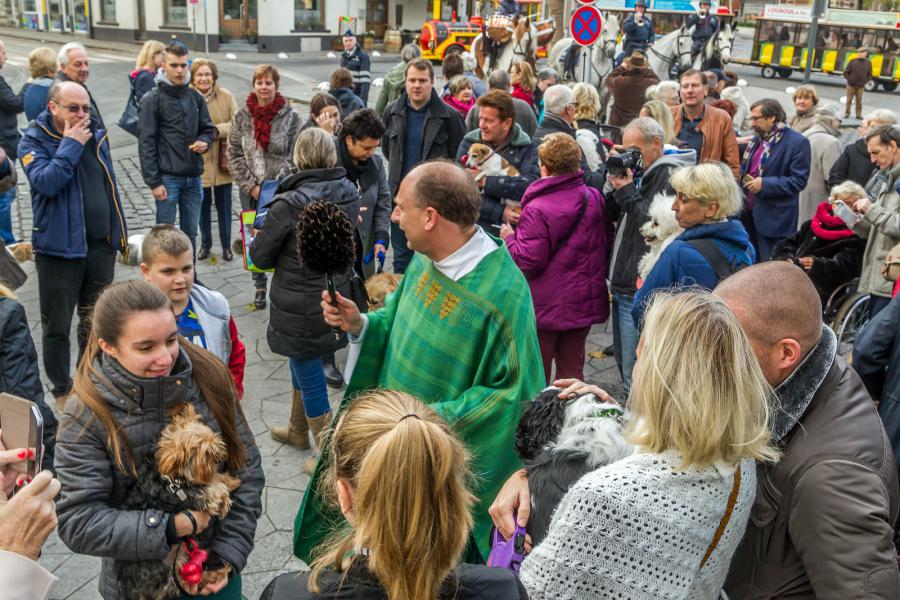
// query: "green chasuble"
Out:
[468,349]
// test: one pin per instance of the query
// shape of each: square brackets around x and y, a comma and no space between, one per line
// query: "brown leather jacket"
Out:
[822,525]
[719,140]
[627,85]
[858,72]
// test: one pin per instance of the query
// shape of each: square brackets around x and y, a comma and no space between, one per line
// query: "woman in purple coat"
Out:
[561,244]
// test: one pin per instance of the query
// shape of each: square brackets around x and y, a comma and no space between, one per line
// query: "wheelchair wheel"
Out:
[851,317]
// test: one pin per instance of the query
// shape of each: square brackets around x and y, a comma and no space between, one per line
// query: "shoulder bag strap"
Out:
[729,509]
[562,241]
[719,263]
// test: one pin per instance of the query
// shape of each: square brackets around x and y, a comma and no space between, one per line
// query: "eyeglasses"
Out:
[76,108]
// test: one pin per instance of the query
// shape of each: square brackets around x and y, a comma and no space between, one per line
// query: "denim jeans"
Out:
[221,194]
[6,200]
[402,253]
[625,337]
[308,376]
[185,195]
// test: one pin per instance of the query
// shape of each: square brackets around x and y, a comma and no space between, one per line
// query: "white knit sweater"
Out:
[638,529]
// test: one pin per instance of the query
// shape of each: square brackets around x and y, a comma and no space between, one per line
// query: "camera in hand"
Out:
[630,158]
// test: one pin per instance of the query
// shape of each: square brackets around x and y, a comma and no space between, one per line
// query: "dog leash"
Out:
[732,499]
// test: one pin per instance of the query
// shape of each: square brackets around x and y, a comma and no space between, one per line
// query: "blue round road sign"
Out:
[586,25]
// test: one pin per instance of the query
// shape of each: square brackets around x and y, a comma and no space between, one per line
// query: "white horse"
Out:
[522,45]
[672,49]
[717,50]
[602,56]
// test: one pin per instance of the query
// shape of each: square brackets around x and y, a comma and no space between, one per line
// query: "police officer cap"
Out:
[641,3]
[706,2]
[349,33]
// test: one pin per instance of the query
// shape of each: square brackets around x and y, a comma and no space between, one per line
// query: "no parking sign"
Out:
[586,25]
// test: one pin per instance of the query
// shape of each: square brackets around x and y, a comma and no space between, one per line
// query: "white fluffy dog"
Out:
[588,141]
[659,231]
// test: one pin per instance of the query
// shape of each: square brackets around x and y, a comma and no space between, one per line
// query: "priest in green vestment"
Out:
[459,334]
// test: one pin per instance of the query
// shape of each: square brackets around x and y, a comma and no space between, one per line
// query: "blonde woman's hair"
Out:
[659,112]
[709,401]
[528,81]
[587,101]
[145,57]
[663,90]
[42,62]
[411,503]
[881,116]
[846,190]
[709,182]
[806,91]
[6,292]
[315,150]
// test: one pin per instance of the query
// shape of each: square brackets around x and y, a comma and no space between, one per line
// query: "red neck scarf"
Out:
[262,118]
[827,226]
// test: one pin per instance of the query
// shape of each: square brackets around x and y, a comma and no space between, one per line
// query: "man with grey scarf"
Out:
[822,524]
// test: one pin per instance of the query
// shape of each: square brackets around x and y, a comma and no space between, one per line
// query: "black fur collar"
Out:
[796,392]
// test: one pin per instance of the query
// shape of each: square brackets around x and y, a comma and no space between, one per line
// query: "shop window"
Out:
[308,15]
[176,12]
[108,10]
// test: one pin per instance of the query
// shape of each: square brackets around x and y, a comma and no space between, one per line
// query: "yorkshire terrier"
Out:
[184,473]
[560,441]
[378,286]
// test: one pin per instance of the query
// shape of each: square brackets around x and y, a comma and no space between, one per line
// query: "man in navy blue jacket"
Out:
[774,172]
[638,29]
[79,222]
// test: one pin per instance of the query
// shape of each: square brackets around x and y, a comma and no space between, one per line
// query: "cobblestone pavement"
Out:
[266,400]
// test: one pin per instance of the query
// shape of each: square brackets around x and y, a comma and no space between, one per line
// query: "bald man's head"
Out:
[446,187]
[68,101]
[775,301]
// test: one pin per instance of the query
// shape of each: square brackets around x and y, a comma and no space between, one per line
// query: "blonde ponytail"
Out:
[411,503]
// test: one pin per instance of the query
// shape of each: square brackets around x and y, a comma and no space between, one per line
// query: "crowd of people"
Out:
[711,231]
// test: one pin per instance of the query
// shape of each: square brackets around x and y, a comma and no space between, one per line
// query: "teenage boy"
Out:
[202,315]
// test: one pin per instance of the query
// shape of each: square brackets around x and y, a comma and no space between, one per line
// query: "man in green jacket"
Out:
[459,334]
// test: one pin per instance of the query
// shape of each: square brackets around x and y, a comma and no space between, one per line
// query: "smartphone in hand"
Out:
[21,426]
[845,213]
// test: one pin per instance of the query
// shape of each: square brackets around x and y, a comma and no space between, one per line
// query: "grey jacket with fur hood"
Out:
[92,487]
[881,228]
[822,525]
[247,162]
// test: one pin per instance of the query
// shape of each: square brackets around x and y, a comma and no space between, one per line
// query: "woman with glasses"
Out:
[712,246]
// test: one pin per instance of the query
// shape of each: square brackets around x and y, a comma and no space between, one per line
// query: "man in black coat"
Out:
[419,126]
[854,163]
[175,129]
[10,106]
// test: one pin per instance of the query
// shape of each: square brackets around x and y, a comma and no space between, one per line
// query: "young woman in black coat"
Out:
[399,475]
[296,327]
[829,251]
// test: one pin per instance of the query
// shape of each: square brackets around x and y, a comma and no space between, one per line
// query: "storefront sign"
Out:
[788,11]
[861,17]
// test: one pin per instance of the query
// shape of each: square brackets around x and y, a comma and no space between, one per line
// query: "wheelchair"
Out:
[846,312]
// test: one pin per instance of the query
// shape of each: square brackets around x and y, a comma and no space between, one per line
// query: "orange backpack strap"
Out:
[732,499]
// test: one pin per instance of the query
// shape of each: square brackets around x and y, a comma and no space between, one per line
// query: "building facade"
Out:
[269,25]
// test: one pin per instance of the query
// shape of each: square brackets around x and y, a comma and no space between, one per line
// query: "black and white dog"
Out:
[561,440]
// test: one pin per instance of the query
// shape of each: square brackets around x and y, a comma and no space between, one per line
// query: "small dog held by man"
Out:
[488,163]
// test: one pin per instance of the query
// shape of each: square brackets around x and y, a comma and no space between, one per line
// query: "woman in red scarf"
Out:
[523,81]
[261,146]
[829,252]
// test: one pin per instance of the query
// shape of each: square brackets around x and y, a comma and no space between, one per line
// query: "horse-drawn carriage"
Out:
[780,44]
[524,35]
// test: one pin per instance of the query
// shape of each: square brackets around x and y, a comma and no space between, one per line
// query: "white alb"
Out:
[638,529]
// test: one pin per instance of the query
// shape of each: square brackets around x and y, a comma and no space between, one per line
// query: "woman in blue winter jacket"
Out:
[712,245]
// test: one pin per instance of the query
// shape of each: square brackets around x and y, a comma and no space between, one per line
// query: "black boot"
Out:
[332,374]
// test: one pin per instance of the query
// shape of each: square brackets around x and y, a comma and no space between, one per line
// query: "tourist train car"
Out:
[780,43]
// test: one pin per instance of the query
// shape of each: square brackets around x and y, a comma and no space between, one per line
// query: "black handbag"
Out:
[129,119]
[11,273]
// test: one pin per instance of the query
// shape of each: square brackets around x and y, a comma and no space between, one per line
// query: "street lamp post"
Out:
[818,9]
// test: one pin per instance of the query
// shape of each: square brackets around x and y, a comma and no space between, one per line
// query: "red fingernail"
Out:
[21,454]
[20,481]
[30,453]
[28,480]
